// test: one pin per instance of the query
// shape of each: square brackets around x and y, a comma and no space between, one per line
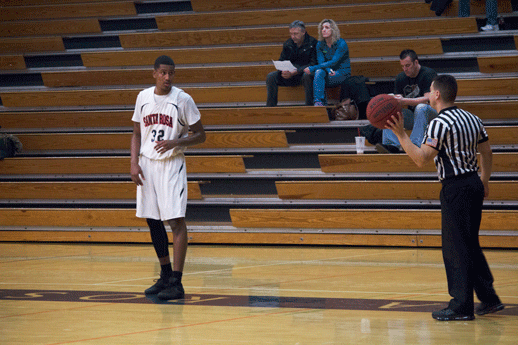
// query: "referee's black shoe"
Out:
[450,315]
[160,285]
[174,290]
[488,308]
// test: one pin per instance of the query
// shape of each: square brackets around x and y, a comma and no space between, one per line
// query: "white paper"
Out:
[284,65]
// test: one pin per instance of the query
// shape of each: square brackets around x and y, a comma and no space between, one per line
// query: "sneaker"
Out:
[387,148]
[490,27]
[160,285]
[487,308]
[450,315]
[174,290]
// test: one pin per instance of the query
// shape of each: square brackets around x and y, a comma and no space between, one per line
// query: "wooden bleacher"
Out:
[214,94]
[122,118]
[381,29]
[252,53]
[50,27]
[76,126]
[121,141]
[380,190]
[70,10]
[386,163]
[79,190]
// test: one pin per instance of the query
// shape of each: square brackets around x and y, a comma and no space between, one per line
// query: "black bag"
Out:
[9,145]
[345,110]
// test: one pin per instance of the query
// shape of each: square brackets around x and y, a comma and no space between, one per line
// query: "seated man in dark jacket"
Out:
[300,50]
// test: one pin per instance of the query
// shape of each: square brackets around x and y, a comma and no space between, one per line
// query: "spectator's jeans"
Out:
[274,79]
[423,114]
[322,80]
[491,10]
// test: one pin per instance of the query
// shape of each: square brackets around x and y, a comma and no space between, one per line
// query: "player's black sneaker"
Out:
[160,285]
[487,308]
[174,290]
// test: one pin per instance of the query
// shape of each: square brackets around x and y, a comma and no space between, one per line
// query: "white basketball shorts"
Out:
[163,195]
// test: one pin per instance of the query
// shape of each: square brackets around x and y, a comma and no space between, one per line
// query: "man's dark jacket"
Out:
[303,56]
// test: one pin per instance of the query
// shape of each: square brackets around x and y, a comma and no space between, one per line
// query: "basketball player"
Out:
[161,121]
[453,139]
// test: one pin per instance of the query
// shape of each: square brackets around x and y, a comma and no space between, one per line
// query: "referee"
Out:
[453,139]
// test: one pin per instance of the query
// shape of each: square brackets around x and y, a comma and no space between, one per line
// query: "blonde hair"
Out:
[335,32]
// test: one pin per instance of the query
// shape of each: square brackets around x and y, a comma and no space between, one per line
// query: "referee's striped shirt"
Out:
[455,133]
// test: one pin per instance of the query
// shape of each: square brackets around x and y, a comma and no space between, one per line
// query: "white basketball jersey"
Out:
[163,118]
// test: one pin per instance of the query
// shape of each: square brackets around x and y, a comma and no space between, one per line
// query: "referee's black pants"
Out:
[466,267]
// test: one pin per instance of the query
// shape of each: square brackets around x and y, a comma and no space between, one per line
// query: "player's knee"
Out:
[177,225]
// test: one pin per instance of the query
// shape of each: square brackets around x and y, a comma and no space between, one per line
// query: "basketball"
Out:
[381,108]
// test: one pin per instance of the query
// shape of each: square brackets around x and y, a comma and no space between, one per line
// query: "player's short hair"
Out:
[298,24]
[163,60]
[447,86]
[408,52]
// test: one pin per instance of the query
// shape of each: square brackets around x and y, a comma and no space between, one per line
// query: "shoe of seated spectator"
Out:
[318,104]
[490,27]
[387,148]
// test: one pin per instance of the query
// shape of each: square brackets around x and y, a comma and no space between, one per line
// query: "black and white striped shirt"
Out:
[455,133]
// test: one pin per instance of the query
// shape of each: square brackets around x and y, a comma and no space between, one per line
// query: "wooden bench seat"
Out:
[361,219]
[66,119]
[9,3]
[486,110]
[331,227]
[121,141]
[380,190]
[382,29]
[11,62]
[31,44]
[224,5]
[110,165]
[216,94]
[73,10]
[268,52]
[487,86]
[50,27]
[477,7]
[122,118]
[353,163]
[498,64]
[501,135]
[351,12]
[79,190]
[184,75]
[219,139]
[314,14]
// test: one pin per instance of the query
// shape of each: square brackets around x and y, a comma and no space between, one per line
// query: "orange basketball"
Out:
[381,108]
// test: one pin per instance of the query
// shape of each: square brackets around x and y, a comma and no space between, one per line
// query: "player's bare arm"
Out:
[486,164]
[197,136]
[135,171]
[420,155]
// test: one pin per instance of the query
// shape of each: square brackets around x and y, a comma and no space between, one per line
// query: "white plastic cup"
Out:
[360,145]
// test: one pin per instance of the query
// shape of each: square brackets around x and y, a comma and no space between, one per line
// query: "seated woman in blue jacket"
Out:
[333,63]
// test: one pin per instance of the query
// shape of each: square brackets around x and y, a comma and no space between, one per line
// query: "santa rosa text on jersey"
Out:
[160,119]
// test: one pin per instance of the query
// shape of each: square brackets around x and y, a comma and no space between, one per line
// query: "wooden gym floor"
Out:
[93,294]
